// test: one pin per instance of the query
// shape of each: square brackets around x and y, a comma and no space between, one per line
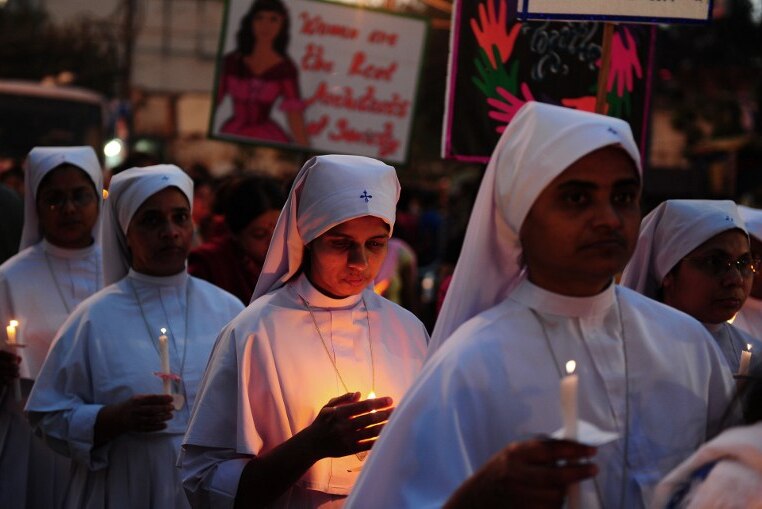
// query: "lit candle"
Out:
[743,367]
[569,385]
[10,331]
[372,395]
[12,337]
[164,352]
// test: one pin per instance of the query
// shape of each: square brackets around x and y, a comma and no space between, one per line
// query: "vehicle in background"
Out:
[33,114]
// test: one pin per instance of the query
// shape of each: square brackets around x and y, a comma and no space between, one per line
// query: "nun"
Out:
[749,319]
[695,256]
[58,266]
[556,218]
[300,383]
[115,391]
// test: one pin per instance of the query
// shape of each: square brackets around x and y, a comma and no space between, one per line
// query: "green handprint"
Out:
[490,78]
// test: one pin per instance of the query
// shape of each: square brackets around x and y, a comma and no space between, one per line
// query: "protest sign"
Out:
[652,11]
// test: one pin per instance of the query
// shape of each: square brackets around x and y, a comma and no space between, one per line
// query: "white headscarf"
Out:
[671,231]
[40,162]
[753,220]
[127,192]
[329,190]
[539,144]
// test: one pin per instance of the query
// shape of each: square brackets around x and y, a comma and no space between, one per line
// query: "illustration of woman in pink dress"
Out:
[259,72]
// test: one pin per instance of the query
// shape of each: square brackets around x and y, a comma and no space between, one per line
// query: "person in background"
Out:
[98,398]
[300,383]
[694,255]
[13,179]
[233,262]
[58,267]
[397,280]
[749,318]
[556,218]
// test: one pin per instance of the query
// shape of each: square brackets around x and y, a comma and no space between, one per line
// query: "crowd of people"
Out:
[155,356]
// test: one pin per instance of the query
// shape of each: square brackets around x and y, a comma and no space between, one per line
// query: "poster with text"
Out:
[498,63]
[662,11]
[318,76]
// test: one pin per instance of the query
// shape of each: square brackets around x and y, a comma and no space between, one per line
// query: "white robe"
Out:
[749,319]
[39,287]
[269,376]
[494,382]
[732,341]
[105,353]
[734,482]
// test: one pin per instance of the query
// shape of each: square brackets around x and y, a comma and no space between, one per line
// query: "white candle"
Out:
[743,367]
[10,331]
[569,385]
[164,352]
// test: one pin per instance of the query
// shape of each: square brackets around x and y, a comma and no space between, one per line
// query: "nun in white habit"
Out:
[59,265]
[276,423]
[555,219]
[97,398]
[749,319]
[694,255]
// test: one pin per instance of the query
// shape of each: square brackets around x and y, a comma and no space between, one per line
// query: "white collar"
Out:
[64,252]
[178,279]
[304,288]
[545,301]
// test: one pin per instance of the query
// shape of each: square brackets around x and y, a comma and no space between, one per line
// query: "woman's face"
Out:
[255,238]
[346,259]
[160,233]
[713,281]
[67,205]
[267,25]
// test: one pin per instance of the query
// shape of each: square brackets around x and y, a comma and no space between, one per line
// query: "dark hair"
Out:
[249,198]
[245,36]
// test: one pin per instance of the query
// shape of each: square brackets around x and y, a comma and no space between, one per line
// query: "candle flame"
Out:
[748,346]
[371,395]
[163,330]
[105,194]
[570,367]
[13,323]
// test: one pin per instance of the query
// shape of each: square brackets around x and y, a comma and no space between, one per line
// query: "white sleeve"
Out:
[58,407]
[211,476]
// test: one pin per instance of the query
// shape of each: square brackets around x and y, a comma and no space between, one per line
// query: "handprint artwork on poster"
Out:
[499,63]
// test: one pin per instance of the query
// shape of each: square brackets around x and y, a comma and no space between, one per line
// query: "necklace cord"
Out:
[332,358]
[623,488]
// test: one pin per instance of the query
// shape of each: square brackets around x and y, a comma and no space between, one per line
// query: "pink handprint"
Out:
[493,31]
[505,110]
[624,63]
[584,103]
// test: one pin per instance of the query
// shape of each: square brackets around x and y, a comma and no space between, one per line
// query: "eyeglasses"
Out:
[719,265]
[57,200]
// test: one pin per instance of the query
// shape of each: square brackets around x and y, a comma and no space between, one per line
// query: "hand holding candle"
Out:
[743,367]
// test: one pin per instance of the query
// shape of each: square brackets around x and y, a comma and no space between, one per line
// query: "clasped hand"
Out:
[347,426]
